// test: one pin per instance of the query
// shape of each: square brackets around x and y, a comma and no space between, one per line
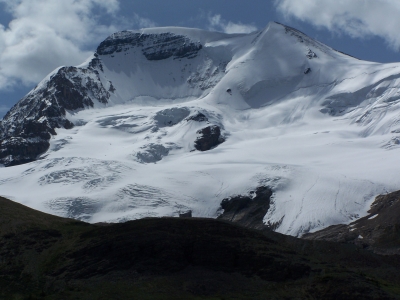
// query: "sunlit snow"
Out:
[326,141]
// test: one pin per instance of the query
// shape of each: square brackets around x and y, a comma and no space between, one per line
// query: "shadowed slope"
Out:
[379,231]
[46,257]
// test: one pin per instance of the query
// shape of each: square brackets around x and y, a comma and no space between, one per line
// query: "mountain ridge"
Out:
[202,118]
[48,257]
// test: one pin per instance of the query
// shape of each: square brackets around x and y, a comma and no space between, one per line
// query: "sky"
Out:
[37,36]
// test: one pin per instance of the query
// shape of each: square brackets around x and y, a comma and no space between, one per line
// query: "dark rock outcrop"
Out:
[208,138]
[379,231]
[18,150]
[199,117]
[187,214]
[248,211]
[311,54]
[154,46]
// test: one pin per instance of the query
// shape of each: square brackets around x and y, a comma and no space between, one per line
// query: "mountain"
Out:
[47,257]
[164,121]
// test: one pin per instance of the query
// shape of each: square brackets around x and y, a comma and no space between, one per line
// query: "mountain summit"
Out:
[161,121]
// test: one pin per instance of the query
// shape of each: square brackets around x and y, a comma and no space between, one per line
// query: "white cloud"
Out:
[45,34]
[219,24]
[357,18]
[143,22]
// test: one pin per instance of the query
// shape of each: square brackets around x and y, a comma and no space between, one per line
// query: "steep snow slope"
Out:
[272,108]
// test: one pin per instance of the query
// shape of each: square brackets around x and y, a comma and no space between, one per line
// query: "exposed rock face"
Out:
[311,54]
[74,85]
[379,231]
[27,128]
[208,138]
[199,117]
[154,46]
[187,214]
[248,211]
[152,153]
[19,150]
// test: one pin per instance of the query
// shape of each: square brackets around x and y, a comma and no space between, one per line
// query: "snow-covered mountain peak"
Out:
[164,120]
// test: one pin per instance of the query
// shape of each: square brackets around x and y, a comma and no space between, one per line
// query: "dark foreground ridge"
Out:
[47,257]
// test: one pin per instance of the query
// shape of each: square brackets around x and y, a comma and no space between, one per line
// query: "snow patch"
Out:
[373,217]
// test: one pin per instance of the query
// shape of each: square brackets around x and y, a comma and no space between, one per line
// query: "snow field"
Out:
[326,142]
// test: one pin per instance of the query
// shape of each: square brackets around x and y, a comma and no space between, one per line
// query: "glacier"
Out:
[319,127]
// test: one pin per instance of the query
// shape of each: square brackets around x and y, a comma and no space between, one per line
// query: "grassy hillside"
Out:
[47,257]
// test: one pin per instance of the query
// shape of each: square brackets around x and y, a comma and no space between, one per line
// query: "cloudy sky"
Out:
[36,36]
